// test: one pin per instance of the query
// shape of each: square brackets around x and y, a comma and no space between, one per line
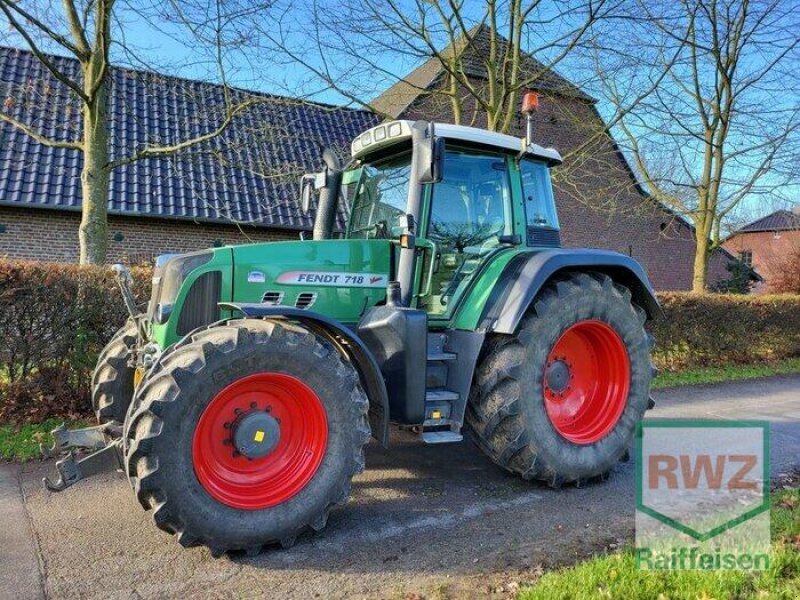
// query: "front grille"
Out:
[305,300]
[272,298]
[544,236]
[202,303]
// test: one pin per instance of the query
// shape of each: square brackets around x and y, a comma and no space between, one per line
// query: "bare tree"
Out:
[88,30]
[723,124]
[472,63]
[485,49]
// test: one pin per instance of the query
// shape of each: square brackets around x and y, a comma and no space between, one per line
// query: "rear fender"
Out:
[528,273]
[349,346]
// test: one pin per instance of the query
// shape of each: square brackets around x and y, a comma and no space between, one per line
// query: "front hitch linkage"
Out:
[107,455]
[125,282]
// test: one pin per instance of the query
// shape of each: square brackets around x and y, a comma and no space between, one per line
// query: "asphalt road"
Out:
[441,522]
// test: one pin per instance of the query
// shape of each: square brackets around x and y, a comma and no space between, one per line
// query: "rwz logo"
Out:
[702,478]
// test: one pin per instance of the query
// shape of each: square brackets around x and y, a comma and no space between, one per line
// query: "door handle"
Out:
[428,244]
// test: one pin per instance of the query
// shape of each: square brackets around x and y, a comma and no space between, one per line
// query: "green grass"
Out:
[728,373]
[615,576]
[21,442]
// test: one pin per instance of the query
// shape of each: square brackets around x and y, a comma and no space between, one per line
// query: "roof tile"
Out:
[248,174]
[780,220]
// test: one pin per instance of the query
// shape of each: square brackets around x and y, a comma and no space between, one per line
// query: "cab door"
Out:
[469,217]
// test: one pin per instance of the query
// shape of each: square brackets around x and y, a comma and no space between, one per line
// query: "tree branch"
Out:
[45,141]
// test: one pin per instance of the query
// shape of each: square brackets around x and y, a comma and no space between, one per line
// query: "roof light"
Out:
[380,134]
[530,102]
[395,129]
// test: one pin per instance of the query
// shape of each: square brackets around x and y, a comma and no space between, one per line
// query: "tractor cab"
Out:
[451,197]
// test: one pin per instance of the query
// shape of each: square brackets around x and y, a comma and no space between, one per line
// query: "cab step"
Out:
[441,437]
[440,395]
[439,427]
[441,356]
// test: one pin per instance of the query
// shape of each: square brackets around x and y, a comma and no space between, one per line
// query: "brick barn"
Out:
[767,243]
[242,186]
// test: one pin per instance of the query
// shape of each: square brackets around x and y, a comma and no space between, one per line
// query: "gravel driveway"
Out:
[441,522]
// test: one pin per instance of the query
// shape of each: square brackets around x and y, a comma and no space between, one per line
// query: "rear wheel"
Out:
[559,400]
[246,434]
[112,380]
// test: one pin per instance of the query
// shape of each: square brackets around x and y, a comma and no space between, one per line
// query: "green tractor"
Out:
[240,402]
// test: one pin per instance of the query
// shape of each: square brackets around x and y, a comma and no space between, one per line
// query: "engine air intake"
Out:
[305,300]
[272,298]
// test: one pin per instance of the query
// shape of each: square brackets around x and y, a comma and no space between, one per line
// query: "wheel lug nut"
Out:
[236,454]
[237,411]
[227,425]
[253,405]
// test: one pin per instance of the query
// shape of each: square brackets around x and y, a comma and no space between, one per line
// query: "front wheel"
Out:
[113,377]
[246,434]
[559,400]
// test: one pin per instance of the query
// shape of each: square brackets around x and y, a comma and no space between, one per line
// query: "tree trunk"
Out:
[95,175]
[700,275]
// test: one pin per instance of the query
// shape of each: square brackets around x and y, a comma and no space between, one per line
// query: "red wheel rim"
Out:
[586,381]
[267,481]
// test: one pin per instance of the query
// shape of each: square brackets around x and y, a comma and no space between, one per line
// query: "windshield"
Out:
[379,196]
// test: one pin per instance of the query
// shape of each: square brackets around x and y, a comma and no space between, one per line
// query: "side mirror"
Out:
[305,194]
[306,185]
[309,183]
[428,153]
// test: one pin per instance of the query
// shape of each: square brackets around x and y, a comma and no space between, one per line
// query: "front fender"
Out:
[347,343]
[527,273]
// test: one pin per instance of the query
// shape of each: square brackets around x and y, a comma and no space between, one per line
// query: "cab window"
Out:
[470,210]
[379,198]
[540,206]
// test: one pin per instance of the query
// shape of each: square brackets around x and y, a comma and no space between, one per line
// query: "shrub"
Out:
[741,280]
[786,279]
[54,321]
[712,329]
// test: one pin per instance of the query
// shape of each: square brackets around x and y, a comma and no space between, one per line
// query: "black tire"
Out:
[506,413]
[112,380]
[167,409]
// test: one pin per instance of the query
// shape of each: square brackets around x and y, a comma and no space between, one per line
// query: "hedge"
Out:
[55,319]
[724,329]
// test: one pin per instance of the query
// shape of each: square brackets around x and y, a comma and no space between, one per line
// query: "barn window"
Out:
[746,256]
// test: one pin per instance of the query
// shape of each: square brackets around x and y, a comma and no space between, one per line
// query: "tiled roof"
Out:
[395,100]
[780,220]
[248,174]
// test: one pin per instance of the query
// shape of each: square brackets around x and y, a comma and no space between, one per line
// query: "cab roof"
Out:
[393,132]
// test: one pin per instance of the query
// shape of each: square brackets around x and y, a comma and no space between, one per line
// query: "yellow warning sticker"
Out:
[259,437]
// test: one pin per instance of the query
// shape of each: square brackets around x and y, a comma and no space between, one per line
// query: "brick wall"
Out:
[599,205]
[770,250]
[53,235]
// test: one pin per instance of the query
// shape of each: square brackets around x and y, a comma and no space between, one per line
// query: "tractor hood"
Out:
[338,278]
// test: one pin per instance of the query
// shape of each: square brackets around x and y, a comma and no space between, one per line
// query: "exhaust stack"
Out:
[328,197]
